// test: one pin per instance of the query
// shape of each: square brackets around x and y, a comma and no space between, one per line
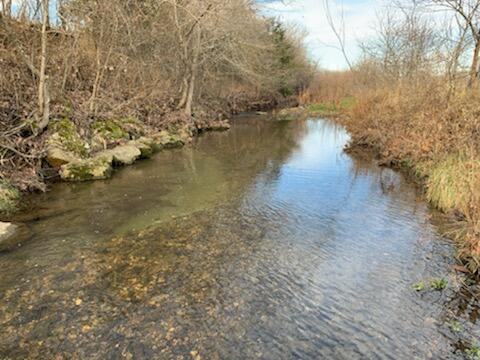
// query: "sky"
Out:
[359,15]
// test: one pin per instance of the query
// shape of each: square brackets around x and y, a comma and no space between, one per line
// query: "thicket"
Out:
[417,104]
[158,61]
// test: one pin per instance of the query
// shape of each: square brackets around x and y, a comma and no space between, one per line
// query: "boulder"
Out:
[57,153]
[120,155]
[12,236]
[97,168]
[166,139]
[106,132]
[145,145]
[7,230]
[64,144]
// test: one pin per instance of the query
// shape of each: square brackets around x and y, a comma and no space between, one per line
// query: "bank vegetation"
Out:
[84,76]
[416,94]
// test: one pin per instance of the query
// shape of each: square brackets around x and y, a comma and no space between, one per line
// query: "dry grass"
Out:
[434,131]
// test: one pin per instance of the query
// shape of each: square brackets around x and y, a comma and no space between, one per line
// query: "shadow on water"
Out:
[264,242]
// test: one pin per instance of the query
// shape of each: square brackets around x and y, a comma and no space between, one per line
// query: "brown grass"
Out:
[434,131]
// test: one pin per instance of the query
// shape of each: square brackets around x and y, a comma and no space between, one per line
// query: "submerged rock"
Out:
[86,169]
[12,236]
[7,231]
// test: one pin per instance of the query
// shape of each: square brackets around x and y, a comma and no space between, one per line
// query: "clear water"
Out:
[267,242]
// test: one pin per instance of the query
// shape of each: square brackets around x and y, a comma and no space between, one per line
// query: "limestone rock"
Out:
[64,146]
[12,236]
[6,230]
[57,153]
[120,155]
[145,145]
[166,139]
[86,169]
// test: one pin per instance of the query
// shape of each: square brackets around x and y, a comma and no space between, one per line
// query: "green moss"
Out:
[9,197]
[81,172]
[110,129]
[419,286]
[69,136]
[85,170]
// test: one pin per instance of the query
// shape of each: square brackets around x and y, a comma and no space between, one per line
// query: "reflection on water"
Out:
[264,242]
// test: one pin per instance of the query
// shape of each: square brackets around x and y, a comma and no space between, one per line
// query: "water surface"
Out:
[267,242]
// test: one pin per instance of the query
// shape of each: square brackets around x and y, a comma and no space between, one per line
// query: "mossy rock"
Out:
[120,155]
[9,197]
[58,153]
[145,145]
[110,130]
[65,144]
[86,169]
[167,140]
[133,126]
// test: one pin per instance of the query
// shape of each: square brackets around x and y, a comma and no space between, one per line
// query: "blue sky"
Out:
[360,17]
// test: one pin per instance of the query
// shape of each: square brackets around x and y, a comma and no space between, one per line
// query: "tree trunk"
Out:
[7,8]
[184,91]
[193,74]
[474,68]
[43,94]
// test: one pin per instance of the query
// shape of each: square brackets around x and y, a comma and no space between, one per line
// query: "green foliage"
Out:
[455,326]
[419,286]
[290,69]
[473,353]
[439,284]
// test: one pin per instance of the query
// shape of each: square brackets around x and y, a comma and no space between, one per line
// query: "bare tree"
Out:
[338,29]
[43,89]
[468,11]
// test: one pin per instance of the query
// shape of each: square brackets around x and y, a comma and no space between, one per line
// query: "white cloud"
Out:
[359,15]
